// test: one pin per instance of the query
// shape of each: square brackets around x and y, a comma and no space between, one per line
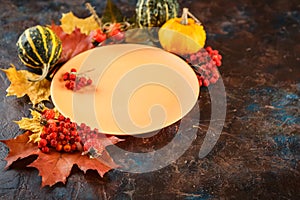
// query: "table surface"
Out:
[257,155]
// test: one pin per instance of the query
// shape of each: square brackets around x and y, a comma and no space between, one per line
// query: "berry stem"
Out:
[124,26]
[86,71]
[93,12]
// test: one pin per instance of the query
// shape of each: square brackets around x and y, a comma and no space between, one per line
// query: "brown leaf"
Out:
[56,167]
[20,148]
[73,43]
[111,13]
[102,164]
[69,22]
[20,86]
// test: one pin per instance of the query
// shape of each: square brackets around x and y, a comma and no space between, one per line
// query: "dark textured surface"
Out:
[256,157]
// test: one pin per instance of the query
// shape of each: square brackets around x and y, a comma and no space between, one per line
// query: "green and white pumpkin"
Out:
[39,48]
[154,13]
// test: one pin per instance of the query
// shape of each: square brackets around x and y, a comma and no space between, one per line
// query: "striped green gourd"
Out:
[154,13]
[39,48]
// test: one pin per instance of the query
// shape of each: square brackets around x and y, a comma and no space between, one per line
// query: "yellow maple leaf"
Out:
[33,125]
[20,85]
[69,22]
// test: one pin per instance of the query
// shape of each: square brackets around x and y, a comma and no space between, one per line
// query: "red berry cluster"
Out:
[99,36]
[205,63]
[74,81]
[59,133]
[87,135]
[214,54]
[113,31]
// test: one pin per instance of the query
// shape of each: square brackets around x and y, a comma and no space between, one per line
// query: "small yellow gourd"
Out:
[182,35]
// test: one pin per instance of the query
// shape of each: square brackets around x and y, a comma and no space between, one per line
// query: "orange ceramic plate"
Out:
[136,89]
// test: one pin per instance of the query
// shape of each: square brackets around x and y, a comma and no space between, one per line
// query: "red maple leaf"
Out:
[56,167]
[72,44]
[100,142]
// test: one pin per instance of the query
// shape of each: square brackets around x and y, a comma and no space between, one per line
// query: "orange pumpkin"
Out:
[182,35]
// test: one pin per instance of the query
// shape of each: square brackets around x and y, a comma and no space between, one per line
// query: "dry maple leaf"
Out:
[72,44]
[19,148]
[20,86]
[99,143]
[69,22]
[95,147]
[33,125]
[55,167]
[111,13]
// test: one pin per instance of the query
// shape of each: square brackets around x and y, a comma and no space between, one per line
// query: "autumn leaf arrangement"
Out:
[58,142]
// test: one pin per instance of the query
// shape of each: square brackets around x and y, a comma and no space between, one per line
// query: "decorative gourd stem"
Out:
[184,17]
[45,70]
[93,12]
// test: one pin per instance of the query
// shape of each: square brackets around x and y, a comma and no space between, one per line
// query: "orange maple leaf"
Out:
[73,43]
[20,148]
[55,167]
